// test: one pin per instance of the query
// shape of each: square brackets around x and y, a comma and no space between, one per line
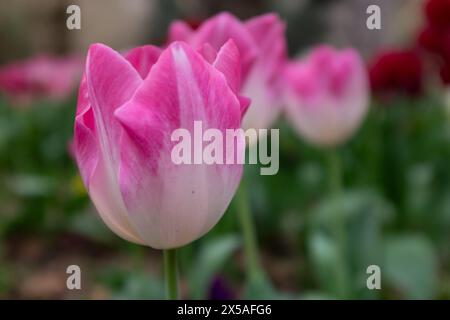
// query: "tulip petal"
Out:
[111,81]
[217,31]
[161,196]
[228,62]
[208,52]
[179,31]
[109,204]
[262,83]
[85,145]
[262,47]
[85,140]
[143,58]
[268,32]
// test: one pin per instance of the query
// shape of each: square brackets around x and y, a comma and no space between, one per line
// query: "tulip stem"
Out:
[335,180]
[335,174]
[252,259]
[171,273]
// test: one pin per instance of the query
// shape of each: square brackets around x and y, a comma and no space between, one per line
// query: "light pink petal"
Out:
[85,135]
[143,58]
[111,81]
[268,32]
[83,98]
[99,184]
[171,205]
[265,102]
[266,29]
[179,31]
[108,201]
[86,145]
[262,25]
[263,83]
[222,27]
[208,52]
[228,62]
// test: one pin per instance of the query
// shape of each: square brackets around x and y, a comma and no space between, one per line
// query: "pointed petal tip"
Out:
[226,15]
[94,48]
[179,30]
[228,61]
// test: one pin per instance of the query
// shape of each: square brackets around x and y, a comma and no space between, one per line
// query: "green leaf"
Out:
[344,238]
[324,258]
[31,185]
[209,261]
[140,286]
[410,266]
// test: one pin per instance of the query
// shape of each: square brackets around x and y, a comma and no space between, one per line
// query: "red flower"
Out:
[435,37]
[438,13]
[394,72]
[445,73]
[435,40]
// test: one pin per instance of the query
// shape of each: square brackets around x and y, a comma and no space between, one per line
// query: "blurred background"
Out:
[396,168]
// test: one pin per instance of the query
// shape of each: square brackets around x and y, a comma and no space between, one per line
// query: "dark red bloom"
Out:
[445,73]
[438,13]
[435,37]
[435,40]
[396,72]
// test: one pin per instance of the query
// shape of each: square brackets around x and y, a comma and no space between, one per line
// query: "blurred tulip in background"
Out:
[262,45]
[42,77]
[327,95]
[396,72]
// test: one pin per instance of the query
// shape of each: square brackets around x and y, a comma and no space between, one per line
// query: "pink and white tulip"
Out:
[327,95]
[128,108]
[41,77]
[262,46]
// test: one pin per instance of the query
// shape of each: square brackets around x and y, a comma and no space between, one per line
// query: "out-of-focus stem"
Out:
[252,259]
[335,185]
[171,274]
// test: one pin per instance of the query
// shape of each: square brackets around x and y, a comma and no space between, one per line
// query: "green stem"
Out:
[171,273]
[253,262]
[334,164]
[335,185]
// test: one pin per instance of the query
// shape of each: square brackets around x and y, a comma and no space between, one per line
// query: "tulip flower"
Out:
[397,72]
[127,109]
[437,12]
[445,73]
[262,46]
[41,77]
[435,36]
[326,100]
[326,95]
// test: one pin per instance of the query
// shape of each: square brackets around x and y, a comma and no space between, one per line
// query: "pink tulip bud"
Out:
[326,95]
[128,107]
[262,46]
